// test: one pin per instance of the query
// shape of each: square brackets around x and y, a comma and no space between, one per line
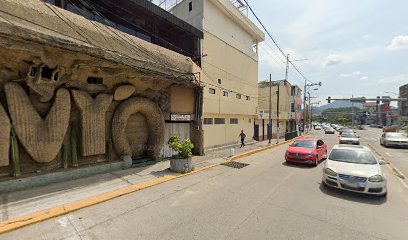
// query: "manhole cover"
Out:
[235,164]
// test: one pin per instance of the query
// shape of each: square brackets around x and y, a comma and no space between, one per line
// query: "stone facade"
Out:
[60,94]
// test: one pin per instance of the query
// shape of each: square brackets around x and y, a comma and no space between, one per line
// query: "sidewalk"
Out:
[21,203]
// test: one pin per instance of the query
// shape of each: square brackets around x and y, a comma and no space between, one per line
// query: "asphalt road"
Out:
[398,157]
[265,200]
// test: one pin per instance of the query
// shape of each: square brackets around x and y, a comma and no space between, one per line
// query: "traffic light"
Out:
[328,99]
[378,99]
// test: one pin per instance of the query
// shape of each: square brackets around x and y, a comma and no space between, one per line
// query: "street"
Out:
[265,200]
[398,157]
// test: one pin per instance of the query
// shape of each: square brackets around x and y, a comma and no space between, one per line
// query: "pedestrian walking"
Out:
[242,136]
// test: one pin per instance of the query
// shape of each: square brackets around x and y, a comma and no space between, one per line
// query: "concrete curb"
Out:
[19,222]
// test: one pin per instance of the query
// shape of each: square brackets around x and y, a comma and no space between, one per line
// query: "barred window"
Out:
[211,90]
[219,120]
[233,120]
[208,121]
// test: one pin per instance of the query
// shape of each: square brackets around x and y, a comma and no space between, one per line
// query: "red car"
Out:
[306,151]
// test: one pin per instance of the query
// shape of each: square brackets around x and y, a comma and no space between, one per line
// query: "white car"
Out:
[356,169]
[349,138]
[317,127]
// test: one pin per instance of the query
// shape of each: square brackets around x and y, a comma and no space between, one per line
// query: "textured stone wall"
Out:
[93,140]
[4,137]
[155,123]
[41,137]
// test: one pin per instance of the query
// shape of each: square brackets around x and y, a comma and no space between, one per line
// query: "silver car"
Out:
[349,138]
[356,169]
[394,139]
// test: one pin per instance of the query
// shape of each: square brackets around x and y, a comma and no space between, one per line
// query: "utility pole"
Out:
[277,114]
[310,115]
[304,107]
[352,108]
[287,67]
[270,110]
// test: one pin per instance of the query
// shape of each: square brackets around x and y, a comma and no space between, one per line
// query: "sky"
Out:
[354,47]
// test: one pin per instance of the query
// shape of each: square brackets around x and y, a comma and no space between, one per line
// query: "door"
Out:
[181,129]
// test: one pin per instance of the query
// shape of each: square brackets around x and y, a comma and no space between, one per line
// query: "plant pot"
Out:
[181,165]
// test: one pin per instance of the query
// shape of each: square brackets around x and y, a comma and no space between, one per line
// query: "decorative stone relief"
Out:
[42,138]
[4,137]
[155,123]
[124,92]
[93,140]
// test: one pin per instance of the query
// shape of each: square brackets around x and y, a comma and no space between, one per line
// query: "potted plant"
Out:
[181,162]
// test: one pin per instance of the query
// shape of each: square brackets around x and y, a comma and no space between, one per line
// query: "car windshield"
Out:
[348,135]
[304,143]
[352,156]
[396,135]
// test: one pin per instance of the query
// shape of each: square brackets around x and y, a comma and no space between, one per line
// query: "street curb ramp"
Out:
[19,222]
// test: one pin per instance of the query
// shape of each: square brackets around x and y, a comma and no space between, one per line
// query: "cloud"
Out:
[366,36]
[365,78]
[334,59]
[353,74]
[398,42]
[403,78]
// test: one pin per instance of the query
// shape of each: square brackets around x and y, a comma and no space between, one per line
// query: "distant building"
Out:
[403,106]
[290,109]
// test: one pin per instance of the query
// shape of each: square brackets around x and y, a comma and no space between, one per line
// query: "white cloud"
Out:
[403,78]
[366,36]
[365,78]
[399,42]
[353,74]
[334,59]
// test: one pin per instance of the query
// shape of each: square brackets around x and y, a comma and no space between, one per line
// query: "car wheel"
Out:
[317,161]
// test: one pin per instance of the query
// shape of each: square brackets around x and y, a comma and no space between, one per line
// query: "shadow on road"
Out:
[299,165]
[352,196]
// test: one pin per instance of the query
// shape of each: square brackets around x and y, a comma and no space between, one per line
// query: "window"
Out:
[248,98]
[219,81]
[208,121]
[238,96]
[190,6]
[46,72]
[211,90]
[94,80]
[225,93]
[33,71]
[292,107]
[219,120]
[233,120]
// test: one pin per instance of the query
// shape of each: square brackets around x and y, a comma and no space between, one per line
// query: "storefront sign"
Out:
[180,117]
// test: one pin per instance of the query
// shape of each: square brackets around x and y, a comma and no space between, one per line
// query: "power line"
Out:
[274,41]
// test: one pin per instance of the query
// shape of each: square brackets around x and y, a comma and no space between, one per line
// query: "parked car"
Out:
[306,151]
[356,169]
[349,138]
[390,129]
[394,139]
[329,130]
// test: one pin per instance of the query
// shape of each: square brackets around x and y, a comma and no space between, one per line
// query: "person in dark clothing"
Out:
[242,135]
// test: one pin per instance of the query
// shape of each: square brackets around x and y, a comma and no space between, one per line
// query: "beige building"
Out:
[229,66]
[289,116]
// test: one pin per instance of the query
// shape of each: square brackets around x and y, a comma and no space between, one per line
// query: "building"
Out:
[403,106]
[230,68]
[76,92]
[290,107]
